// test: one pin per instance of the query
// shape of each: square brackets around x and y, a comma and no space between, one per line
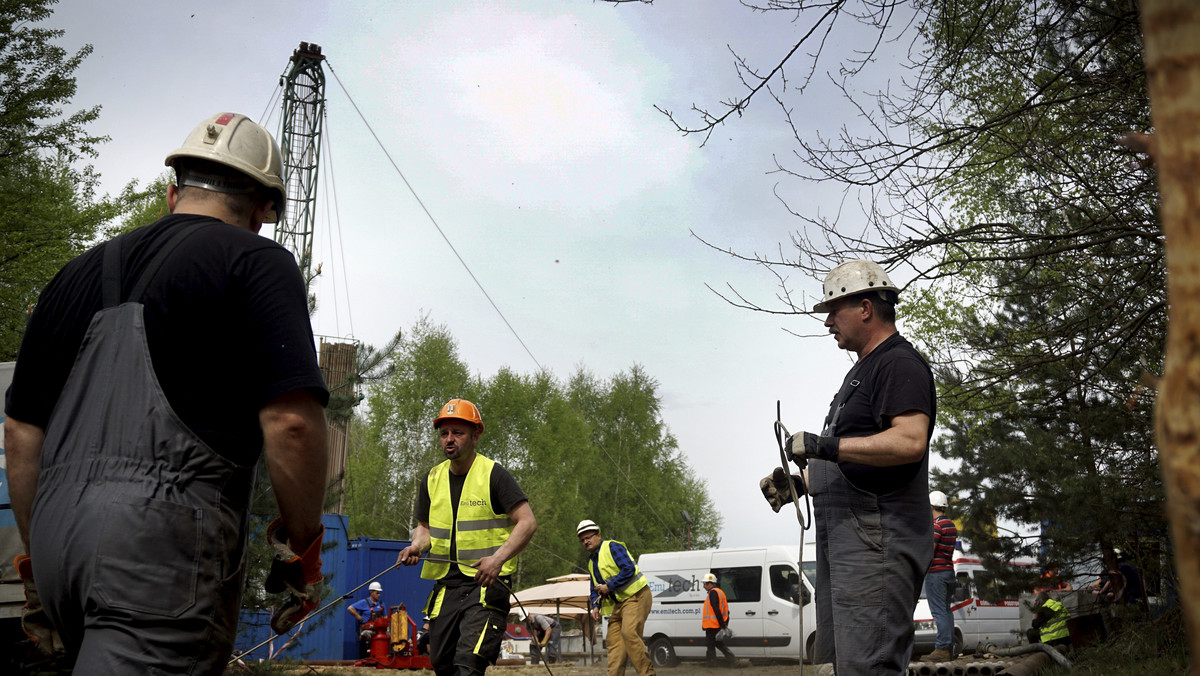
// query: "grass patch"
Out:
[1138,648]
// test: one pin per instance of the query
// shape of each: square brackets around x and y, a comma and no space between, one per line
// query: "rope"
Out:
[387,570]
[781,435]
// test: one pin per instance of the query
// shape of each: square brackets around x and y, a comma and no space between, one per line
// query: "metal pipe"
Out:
[942,669]
[924,669]
[1028,666]
[1030,648]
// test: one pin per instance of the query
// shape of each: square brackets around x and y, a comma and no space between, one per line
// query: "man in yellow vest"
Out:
[716,618]
[473,519]
[1050,621]
[620,591]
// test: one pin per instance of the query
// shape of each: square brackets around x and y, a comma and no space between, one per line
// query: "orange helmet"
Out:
[459,409]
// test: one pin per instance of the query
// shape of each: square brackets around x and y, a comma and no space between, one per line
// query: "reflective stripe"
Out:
[710,620]
[1056,628]
[476,554]
[483,524]
[442,533]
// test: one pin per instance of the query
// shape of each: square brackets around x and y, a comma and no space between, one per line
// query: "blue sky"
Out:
[528,129]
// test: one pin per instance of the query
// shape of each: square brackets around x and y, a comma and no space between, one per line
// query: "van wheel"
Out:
[662,654]
[957,648]
[809,647]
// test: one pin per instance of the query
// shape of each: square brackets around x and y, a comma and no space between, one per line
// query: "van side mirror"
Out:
[806,596]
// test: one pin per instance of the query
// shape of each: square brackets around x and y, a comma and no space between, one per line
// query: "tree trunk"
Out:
[1172,34]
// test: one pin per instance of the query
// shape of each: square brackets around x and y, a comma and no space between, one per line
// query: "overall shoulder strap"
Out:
[113,267]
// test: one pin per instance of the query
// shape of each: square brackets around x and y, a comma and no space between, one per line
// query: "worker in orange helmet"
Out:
[473,519]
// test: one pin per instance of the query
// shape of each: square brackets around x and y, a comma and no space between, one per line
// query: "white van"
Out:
[762,586]
[976,620]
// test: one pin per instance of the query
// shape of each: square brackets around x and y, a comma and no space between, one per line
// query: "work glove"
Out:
[775,488]
[809,445]
[34,621]
[298,573]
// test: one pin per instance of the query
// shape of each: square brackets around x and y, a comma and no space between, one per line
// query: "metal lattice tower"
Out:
[300,143]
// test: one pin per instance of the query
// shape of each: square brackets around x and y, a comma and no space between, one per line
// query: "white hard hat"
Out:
[938,499]
[850,278]
[375,586]
[237,142]
[709,577]
[585,526]
[522,615]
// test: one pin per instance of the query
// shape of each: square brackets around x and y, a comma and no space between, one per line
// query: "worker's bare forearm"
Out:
[22,450]
[903,442]
[297,458]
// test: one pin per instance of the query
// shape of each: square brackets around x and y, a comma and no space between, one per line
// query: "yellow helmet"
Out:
[459,409]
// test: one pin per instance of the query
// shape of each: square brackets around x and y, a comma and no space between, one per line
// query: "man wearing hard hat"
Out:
[364,611]
[939,581]
[620,591]
[473,519]
[140,440]
[869,478]
[714,620]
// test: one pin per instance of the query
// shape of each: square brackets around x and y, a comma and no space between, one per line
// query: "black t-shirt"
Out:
[226,321]
[505,495]
[892,379]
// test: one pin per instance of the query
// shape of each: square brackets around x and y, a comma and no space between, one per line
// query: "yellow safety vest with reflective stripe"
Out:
[711,620]
[478,532]
[1056,627]
[610,569]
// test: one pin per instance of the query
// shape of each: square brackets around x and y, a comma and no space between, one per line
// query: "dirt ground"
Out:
[684,669]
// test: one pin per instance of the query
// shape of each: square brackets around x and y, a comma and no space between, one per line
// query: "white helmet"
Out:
[375,586]
[709,577]
[237,142]
[585,526]
[850,278]
[938,499]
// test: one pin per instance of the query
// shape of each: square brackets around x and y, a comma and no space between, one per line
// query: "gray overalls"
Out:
[872,552]
[138,528]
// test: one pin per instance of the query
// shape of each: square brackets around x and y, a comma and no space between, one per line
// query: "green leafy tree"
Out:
[397,446]
[49,210]
[49,214]
[146,206]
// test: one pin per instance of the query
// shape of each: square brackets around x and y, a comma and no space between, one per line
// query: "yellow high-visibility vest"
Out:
[608,569]
[479,530]
[1056,627]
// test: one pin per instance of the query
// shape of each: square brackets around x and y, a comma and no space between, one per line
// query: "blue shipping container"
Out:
[347,564]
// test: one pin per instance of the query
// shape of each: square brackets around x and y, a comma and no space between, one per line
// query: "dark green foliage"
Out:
[49,212]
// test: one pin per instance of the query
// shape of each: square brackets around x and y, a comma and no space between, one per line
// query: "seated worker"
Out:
[1049,622]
